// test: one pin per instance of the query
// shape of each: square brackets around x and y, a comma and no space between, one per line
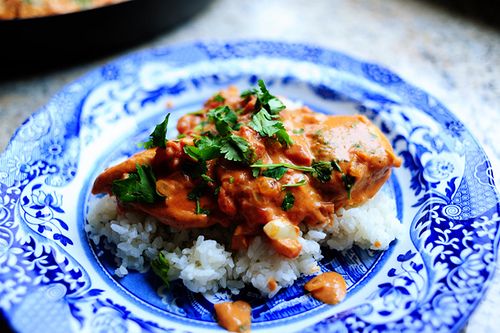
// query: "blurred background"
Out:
[450,49]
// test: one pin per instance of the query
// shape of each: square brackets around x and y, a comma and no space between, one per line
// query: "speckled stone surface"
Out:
[454,58]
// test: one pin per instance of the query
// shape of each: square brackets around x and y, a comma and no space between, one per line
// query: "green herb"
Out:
[231,180]
[139,186]
[180,136]
[336,166]
[159,136]
[265,121]
[224,119]
[348,181]
[201,126]
[195,195]
[231,147]
[276,173]
[197,112]
[217,190]
[206,178]
[268,101]
[206,148]
[194,169]
[255,172]
[299,183]
[266,126]
[322,171]
[160,267]
[288,201]
[298,131]
[286,165]
[218,98]
[235,148]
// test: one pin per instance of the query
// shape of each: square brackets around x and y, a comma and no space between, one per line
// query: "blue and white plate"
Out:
[431,279]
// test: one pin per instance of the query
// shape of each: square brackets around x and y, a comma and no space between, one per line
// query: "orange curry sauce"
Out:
[360,154]
[359,148]
[329,287]
[234,316]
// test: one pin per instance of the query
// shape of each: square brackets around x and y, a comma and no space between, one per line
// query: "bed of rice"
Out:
[200,259]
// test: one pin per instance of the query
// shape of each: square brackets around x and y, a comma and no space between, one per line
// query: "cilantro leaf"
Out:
[160,267]
[218,98]
[336,166]
[247,93]
[266,126]
[207,178]
[268,101]
[288,201]
[255,172]
[195,195]
[297,184]
[276,173]
[140,186]
[348,181]
[206,148]
[264,98]
[159,136]
[286,165]
[235,148]
[322,171]
[283,136]
[224,119]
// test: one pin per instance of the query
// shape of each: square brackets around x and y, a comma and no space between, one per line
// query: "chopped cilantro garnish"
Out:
[276,173]
[268,101]
[139,186]
[195,195]
[266,121]
[159,136]
[206,148]
[297,184]
[288,201]
[286,165]
[336,166]
[266,126]
[218,98]
[231,180]
[232,147]
[248,93]
[235,148]
[322,171]
[298,131]
[224,119]
[160,267]
[207,178]
[348,181]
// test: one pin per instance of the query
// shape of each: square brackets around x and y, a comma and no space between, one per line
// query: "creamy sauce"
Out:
[329,287]
[363,156]
[234,316]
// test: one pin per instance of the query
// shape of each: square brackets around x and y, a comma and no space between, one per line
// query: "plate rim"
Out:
[143,55]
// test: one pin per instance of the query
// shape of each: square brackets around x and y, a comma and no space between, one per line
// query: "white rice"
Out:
[200,259]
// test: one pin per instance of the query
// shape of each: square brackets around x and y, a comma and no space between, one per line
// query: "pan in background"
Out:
[37,43]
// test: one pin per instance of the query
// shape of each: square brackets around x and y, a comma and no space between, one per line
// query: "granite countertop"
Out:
[454,58]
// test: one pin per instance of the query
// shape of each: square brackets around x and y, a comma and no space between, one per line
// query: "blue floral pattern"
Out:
[433,277]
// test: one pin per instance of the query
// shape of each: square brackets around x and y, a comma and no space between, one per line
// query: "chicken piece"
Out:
[360,156]
[103,182]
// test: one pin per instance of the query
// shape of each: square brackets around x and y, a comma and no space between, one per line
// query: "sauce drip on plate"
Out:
[234,316]
[329,287]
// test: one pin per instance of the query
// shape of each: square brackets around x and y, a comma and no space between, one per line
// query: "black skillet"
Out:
[38,43]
